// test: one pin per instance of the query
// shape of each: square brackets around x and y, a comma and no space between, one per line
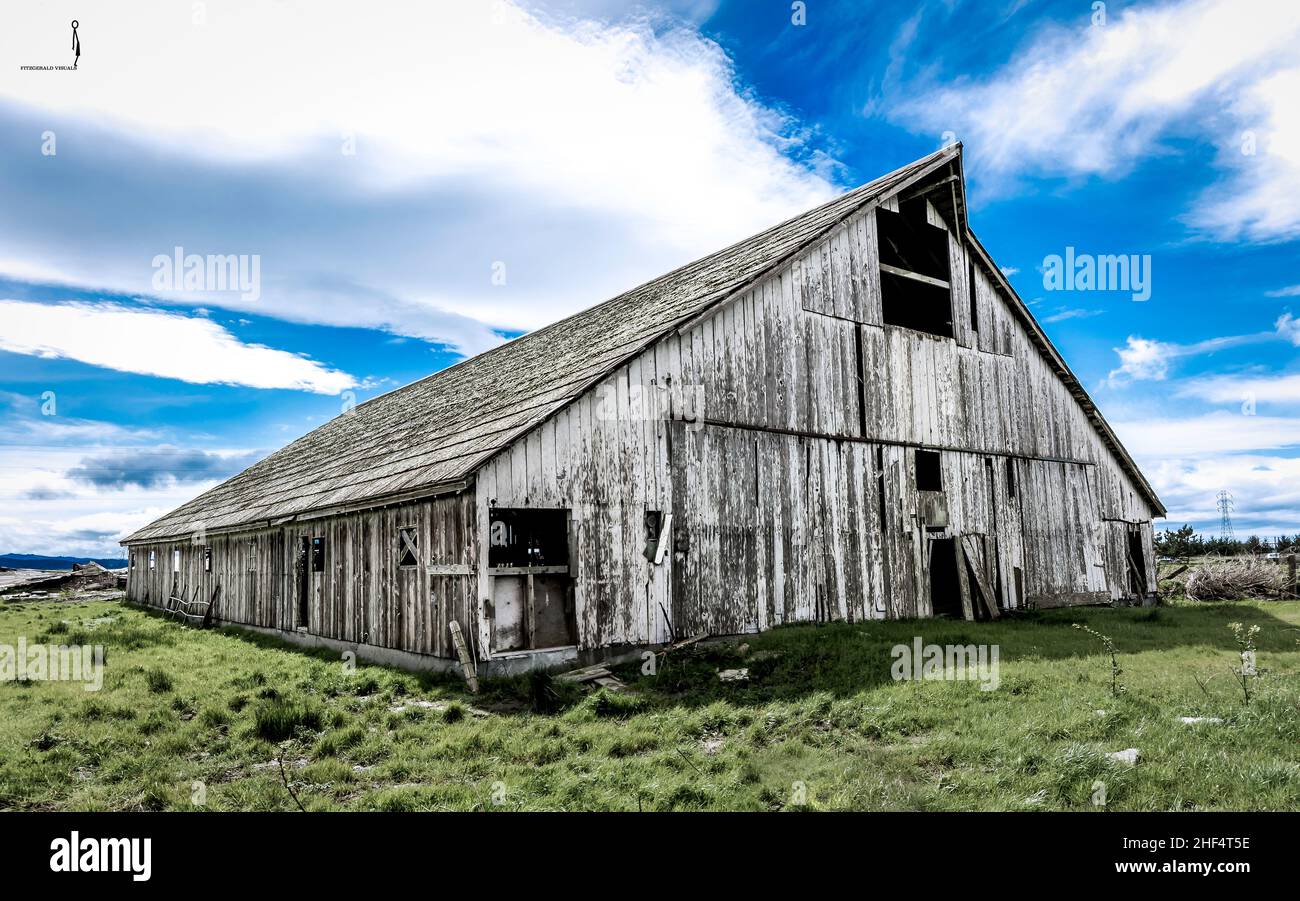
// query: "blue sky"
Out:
[419,181]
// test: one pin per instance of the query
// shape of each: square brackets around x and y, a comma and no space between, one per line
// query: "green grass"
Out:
[189,716]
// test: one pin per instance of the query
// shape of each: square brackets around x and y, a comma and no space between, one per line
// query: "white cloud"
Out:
[1229,389]
[1206,434]
[1288,327]
[1142,359]
[153,342]
[49,506]
[44,511]
[1145,359]
[1261,201]
[1088,100]
[1289,291]
[482,133]
[1063,314]
[1265,490]
[1189,459]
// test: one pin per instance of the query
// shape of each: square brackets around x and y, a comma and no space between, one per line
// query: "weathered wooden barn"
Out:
[849,416]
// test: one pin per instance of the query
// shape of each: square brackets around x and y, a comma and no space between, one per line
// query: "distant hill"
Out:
[36,561]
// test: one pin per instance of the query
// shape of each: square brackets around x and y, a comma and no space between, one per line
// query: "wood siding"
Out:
[362,595]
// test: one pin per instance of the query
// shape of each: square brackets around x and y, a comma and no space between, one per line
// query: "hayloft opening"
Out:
[929,472]
[914,272]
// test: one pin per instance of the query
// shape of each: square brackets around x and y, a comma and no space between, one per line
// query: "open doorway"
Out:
[945,589]
[1137,569]
[532,592]
[300,583]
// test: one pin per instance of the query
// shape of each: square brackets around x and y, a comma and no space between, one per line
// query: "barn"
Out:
[848,416]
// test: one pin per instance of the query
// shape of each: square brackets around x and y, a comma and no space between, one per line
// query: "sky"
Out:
[232,220]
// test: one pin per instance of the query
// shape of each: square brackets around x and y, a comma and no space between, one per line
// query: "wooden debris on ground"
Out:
[462,651]
[598,674]
[585,674]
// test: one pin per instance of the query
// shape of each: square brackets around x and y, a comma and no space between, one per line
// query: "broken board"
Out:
[975,558]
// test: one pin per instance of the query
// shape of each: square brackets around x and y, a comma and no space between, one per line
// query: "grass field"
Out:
[189,719]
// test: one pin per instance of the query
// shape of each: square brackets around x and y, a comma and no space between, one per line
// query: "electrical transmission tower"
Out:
[1224,504]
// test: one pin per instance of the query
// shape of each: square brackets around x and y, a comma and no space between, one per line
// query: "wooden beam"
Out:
[967,609]
[914,276]
[929,188]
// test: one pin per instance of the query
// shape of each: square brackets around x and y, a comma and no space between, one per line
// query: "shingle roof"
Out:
[440,429]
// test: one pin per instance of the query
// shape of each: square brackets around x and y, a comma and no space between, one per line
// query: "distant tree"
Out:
[1183,542]
[1254,545]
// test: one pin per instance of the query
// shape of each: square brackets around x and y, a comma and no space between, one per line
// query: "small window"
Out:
[207,558]
[408,549]
[153,559]
[318,555]
[929,474]
[176,561]
[1011,477]
[252,552]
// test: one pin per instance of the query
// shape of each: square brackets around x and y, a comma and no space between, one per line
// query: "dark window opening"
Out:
[528,537]
[207,558]
[408,548]
[318,555]
[1011,477]
[911,304]
[929,474]
[914,271]
[974,307]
